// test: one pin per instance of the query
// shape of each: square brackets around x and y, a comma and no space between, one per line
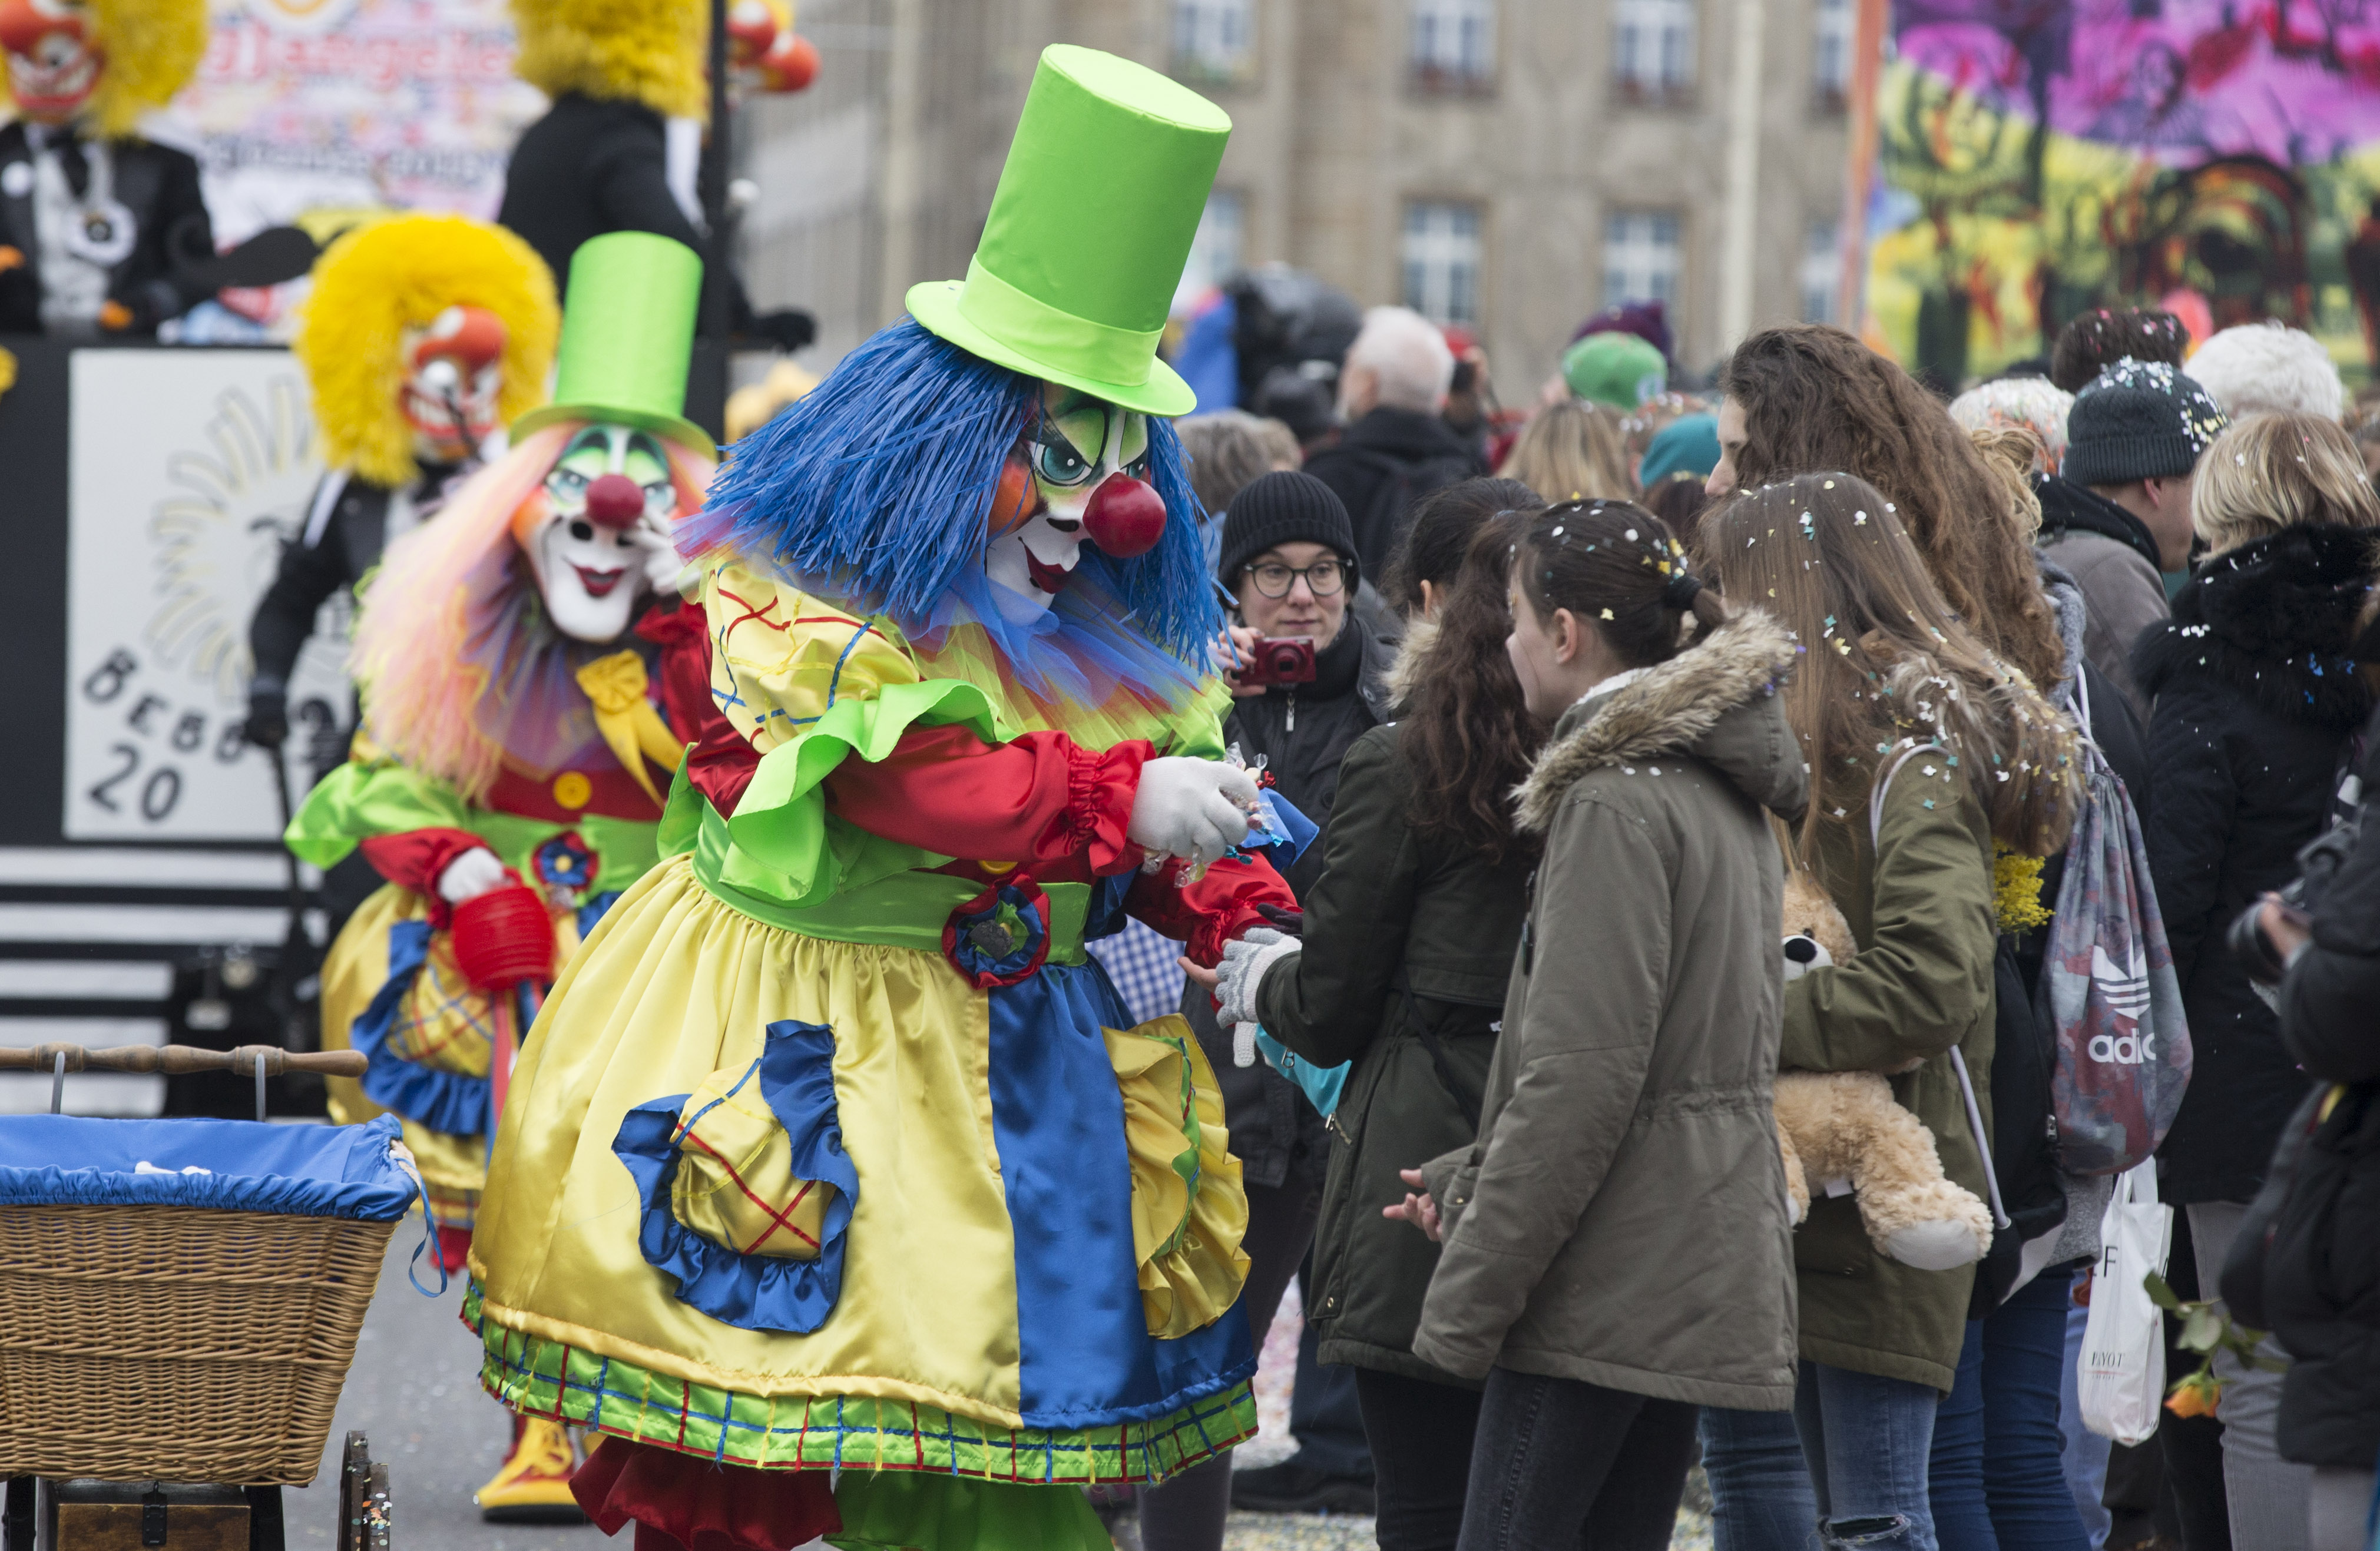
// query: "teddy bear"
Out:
[1846,1126]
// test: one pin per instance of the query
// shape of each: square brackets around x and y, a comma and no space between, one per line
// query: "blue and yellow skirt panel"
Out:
[1027,1265]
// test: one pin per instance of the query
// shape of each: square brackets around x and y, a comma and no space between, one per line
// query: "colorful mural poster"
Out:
[307,108]
[2044,157]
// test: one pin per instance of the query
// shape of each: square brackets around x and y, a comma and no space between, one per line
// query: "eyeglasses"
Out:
[1323,578]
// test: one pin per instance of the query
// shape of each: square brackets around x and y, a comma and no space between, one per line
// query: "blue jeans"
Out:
[1997,1478]
[1759,1482]
[1850,1471]
[1561,1462]
[1954,1475]
[2025,1469]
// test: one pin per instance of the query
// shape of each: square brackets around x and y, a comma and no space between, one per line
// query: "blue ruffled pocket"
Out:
[746,1191]
[428,1035]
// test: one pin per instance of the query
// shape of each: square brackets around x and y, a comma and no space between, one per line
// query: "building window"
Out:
[1441,260]
[1215,251]
[1214,39]
[1450,44]
[1653,49]
[1830,68]
[1640,257]
[1822,272]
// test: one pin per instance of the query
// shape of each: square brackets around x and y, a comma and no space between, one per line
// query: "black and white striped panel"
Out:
[91,937]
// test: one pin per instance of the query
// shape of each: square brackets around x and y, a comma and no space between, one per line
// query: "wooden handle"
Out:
[173,1061]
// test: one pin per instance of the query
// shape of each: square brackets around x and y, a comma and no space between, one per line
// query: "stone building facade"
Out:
[1511,164]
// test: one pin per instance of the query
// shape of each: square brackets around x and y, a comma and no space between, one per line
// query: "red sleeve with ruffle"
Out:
[414,859]
[1041,797]
[1206,914]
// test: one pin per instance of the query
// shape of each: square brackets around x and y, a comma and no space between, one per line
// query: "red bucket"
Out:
[504,937]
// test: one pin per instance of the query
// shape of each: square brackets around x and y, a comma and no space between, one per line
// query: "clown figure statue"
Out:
[97,225]
[835,1186]
[529,678]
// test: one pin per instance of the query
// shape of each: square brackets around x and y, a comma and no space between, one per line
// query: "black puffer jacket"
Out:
[1387,461]
[1303,730]
[1396,912]
[2256,705]
[2321,1273]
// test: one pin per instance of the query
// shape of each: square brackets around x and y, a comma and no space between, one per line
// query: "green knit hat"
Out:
[1614,368]
[627,336]
[1088,232]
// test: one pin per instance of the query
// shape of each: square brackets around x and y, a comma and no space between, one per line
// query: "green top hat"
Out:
[627,334]
[1088,231]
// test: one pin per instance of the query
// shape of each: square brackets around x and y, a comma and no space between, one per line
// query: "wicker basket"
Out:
[180,1343]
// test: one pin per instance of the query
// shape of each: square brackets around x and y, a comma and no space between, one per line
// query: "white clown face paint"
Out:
[1077,445]
[609,502]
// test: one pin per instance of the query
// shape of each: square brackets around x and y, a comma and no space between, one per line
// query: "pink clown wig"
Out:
[459,669]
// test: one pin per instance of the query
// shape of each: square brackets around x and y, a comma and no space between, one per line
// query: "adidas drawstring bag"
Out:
[2123,1048]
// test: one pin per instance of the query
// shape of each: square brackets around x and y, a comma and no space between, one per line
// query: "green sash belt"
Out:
[902,910]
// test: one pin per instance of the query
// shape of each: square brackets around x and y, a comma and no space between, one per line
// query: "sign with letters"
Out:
[189,469]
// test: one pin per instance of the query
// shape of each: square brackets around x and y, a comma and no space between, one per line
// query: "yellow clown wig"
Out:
[399,274]
[152,47]
[644,51]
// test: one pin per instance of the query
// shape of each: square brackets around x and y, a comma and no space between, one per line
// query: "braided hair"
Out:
[1617,565]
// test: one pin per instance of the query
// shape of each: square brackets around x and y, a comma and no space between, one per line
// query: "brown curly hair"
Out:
[1814,398]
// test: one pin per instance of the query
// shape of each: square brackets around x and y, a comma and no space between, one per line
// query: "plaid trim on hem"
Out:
[457,1209]
[539,1377]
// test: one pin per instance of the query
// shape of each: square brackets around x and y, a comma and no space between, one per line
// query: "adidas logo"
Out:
[2125,987]
[2125,990]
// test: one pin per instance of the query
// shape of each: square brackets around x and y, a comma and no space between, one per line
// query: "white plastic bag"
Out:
[2120,1378]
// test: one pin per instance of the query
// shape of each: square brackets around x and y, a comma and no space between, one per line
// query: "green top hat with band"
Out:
[1088,232]
[627,337]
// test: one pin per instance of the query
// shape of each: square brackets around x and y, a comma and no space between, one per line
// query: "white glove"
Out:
[470,874]
[659,559]
[1242,970]
[1197,810]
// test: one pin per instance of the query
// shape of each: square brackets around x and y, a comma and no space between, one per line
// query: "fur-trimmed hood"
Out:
[2271,621]
[1716,700]
[1404,670]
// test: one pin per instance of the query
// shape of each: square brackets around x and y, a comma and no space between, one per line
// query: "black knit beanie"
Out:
[2138,420]
[1284,507]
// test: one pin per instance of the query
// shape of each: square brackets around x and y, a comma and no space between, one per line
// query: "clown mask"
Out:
[454,372]
[604,540]
[54,63]
[1081,472]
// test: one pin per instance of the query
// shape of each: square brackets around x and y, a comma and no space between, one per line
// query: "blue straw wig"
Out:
[874,491]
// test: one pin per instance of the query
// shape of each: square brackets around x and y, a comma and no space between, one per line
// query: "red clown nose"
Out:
[1125,517]
[615,500]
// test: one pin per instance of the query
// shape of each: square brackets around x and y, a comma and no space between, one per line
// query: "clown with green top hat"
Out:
[836,1187]
[516,745]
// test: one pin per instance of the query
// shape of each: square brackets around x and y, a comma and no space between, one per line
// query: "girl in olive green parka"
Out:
[1615,1244]
[1893,688]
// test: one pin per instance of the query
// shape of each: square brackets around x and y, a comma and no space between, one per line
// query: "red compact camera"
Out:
[1279,659]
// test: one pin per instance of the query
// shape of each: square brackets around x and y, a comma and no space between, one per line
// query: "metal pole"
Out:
[715,163]
[1736,270]
[1859,172]
[297,944]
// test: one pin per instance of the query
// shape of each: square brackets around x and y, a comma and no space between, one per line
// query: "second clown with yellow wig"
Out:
[527,699]
[423,336]
[93,217]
